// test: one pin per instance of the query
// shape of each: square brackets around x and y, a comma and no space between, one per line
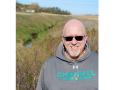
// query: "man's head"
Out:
[74,38]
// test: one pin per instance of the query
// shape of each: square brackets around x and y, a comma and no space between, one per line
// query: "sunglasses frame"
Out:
[77,38]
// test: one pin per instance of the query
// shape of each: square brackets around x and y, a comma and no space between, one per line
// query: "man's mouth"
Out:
[74,47]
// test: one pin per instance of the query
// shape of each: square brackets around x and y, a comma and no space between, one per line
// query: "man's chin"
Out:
[74,56]
[73,53]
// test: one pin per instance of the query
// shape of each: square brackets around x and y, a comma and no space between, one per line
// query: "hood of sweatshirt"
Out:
[61,56]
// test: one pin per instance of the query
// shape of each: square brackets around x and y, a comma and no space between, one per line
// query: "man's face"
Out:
[74,39]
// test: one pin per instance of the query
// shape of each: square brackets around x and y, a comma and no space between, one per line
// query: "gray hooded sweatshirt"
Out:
[60,73]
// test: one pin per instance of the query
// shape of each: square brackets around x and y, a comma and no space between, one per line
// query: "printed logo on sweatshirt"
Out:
[80,75]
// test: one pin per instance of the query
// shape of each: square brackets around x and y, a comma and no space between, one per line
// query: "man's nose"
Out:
[74,41]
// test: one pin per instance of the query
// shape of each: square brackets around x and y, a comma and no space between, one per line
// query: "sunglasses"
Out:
[70,38]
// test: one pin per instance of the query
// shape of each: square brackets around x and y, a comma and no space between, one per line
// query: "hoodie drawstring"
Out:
[75,66]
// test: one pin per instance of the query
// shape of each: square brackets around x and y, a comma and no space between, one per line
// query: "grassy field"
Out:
[43,32]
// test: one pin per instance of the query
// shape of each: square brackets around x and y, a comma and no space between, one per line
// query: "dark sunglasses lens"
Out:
[79,38]
[68,38]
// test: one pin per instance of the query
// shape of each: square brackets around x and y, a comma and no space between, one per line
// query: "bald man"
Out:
[75,66]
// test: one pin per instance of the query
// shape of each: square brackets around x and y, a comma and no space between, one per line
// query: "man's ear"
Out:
[86,39]
[64,47]
[63,39]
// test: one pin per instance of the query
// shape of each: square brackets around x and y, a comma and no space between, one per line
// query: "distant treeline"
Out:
[34,7]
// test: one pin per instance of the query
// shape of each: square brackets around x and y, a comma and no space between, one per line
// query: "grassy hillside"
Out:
[28,24]
[43,32]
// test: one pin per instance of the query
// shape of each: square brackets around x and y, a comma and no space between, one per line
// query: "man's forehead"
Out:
[74,22]
[74,27]
[73,32]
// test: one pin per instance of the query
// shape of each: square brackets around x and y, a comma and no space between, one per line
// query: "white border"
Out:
[7,45]
[109,46]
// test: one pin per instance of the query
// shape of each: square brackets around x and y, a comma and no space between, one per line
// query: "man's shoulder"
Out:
[49,62]
[93,57]
[94,54]
[50,59]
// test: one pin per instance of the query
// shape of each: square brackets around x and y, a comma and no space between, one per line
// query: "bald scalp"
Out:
[74,23]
